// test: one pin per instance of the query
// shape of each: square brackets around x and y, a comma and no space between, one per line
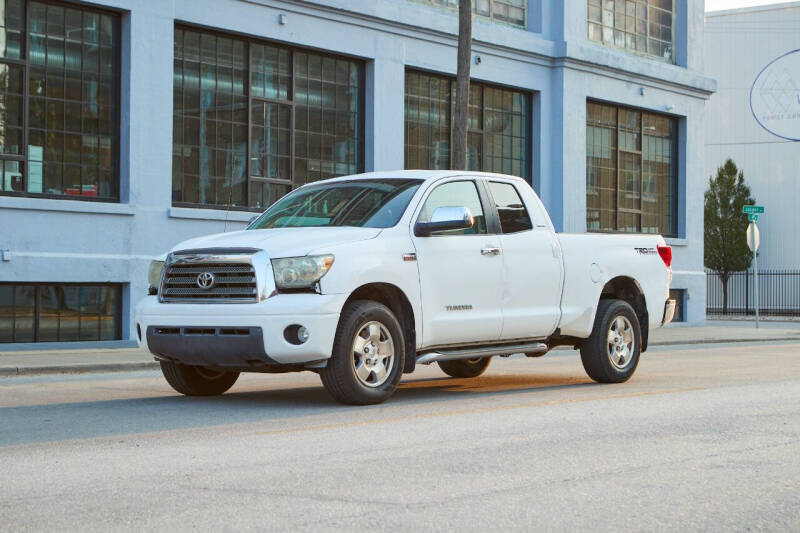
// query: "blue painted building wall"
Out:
[72,241]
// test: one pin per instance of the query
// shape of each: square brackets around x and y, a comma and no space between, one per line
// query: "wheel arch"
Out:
[396,300]
[629,290]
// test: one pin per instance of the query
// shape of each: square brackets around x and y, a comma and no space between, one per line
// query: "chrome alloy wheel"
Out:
[620,342]
[373,354]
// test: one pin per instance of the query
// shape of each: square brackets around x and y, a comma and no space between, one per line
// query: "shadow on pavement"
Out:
[105,418]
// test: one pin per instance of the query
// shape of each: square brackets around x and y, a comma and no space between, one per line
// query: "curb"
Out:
[720,341]
[77,368]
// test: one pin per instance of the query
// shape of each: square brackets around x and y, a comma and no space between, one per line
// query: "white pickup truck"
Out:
[360,278]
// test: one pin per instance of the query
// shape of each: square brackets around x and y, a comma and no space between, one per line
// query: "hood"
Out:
[282,242]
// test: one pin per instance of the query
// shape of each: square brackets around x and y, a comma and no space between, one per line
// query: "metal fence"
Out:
[779,293]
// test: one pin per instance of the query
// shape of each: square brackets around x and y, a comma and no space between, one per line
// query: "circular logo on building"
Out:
[775,96]
[205,280]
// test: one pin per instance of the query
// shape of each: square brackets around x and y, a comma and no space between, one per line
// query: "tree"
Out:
[459,161]
[726,248]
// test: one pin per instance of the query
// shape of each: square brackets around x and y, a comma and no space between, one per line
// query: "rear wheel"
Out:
[368,355]
[465,368]
[197,380]
[611,353]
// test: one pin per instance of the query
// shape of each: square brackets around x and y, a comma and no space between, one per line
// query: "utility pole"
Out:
[459,157]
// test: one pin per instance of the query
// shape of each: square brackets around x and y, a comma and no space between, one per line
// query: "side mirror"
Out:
[445,219]
[252,219]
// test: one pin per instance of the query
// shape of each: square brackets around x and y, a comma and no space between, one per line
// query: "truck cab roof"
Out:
[425,175]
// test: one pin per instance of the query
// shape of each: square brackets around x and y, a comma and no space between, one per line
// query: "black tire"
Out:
[197,380]
[596,351]
[339,375]
[465,368]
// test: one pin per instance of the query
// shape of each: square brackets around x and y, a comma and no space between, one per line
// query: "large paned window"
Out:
[631,175]
[253,119]
[44,312]
[506,11]
[59,101]
[640,26]
[498,132]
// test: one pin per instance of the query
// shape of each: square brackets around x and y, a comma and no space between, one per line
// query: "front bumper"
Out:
[264,321]
[219,347]
[669,312]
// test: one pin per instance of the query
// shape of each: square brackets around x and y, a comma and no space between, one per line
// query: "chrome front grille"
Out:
[191,281]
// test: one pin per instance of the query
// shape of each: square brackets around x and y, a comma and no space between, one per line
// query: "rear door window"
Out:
[510,209]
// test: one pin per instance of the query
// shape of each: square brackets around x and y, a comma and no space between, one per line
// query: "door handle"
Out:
[491,251]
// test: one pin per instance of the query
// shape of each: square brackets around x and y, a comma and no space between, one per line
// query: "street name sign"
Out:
[752,217]
[754,209]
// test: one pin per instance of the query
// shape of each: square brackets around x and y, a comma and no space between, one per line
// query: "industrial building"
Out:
[130,125]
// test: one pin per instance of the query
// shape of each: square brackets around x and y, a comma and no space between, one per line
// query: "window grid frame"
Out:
[449,106]
[490,17]
[648,21]
[638,153]
[117,312]
[527,168]
[674,186]
[479,130]
[116,132]
[23,63]
[290,102]
[361,111]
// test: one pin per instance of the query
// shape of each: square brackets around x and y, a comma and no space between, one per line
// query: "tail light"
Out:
[666,254]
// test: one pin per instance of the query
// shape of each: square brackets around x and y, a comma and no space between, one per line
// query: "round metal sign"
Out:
[775,96]
[753,237]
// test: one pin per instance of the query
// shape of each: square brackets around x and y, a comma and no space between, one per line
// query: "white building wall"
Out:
[739,44]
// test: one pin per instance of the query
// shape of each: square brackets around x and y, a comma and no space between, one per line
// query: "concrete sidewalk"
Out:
[725,331]
[128,359]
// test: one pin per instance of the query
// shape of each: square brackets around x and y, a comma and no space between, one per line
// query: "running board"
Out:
[484,351]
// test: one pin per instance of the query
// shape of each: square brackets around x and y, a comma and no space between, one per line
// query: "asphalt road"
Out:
[703,437]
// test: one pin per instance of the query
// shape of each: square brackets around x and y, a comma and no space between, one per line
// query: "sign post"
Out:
[753,242]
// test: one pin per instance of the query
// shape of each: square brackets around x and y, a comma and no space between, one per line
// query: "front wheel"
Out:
[611,353]
[368,355]
[197,380]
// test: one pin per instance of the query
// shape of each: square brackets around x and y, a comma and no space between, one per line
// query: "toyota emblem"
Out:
[205,280]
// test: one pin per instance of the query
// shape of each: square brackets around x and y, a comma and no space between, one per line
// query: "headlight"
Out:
[300,272]
[154,273]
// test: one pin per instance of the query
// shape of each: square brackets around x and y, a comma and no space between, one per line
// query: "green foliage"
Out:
[726,248]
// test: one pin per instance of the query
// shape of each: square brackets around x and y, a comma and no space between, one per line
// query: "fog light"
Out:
[296,334]
[302,334]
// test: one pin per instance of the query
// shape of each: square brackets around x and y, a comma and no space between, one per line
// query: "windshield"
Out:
[377,203]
